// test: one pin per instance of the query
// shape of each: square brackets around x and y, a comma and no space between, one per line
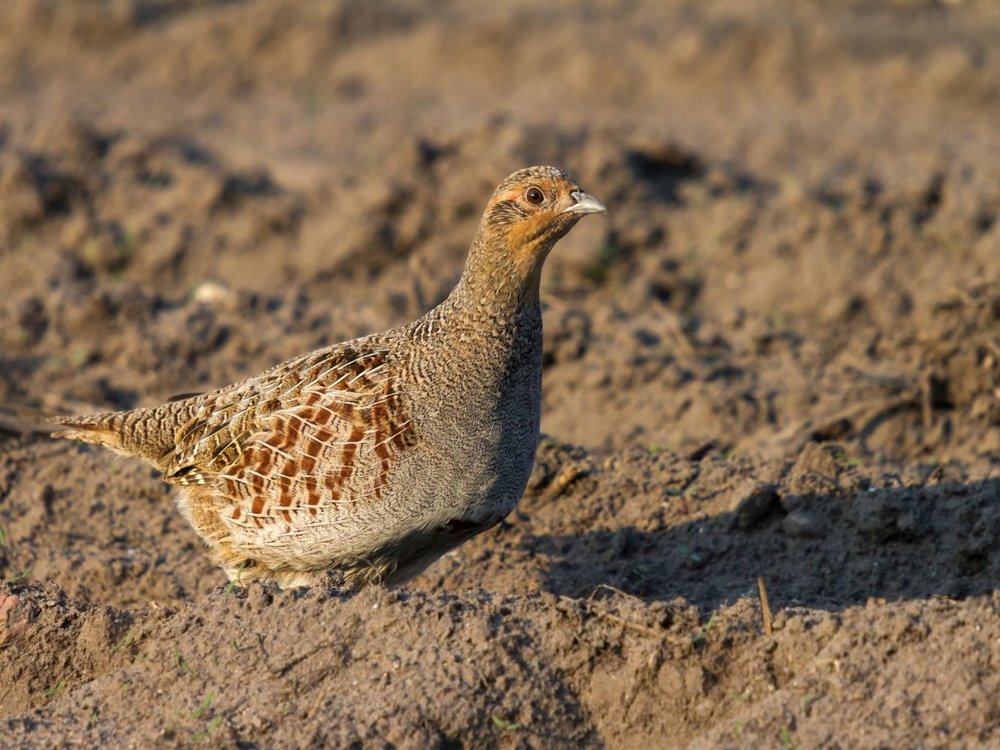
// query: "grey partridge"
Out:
[375,456]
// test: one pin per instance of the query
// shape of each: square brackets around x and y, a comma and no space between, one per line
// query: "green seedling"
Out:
[126,641]
[506,726]
[209,730]
[231,586]
[689,553]
[702,635]
[206,704]
[78,356]
[128,243]
[22,576]
[56,689]
[179,662]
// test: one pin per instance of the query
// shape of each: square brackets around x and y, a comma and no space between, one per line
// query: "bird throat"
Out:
[502,276]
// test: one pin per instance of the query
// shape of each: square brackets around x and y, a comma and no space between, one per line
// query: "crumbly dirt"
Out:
[778,357]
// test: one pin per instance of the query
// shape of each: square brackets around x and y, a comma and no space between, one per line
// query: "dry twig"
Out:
[765,607]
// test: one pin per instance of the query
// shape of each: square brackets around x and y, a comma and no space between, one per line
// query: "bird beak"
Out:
[584,204]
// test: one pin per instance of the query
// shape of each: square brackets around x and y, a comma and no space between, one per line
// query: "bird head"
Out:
[531,210]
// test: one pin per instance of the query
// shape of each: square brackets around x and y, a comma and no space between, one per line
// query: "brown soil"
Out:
[779,356]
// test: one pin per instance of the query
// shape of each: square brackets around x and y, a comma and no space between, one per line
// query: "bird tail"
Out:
[98,429]
[146,433]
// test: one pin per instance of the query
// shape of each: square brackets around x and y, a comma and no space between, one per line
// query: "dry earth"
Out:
[779,356]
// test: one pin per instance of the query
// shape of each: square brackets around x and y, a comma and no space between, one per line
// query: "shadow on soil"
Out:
[820,551]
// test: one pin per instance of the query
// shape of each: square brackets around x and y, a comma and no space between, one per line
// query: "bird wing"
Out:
[323,429]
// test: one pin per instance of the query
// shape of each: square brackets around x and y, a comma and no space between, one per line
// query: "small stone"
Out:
[210,293]
[801,525]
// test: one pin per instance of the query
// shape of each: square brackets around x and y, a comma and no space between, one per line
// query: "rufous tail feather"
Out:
[146,433]
[98,429]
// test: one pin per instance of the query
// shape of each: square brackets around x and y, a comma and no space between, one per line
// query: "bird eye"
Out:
[534,195]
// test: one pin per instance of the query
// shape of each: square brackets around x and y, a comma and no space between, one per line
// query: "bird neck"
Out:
[501,280]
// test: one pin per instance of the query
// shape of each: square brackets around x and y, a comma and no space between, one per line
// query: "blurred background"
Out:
[778,355]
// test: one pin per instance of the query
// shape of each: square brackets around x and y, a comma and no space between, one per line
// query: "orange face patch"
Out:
[531,227]
[527,236]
